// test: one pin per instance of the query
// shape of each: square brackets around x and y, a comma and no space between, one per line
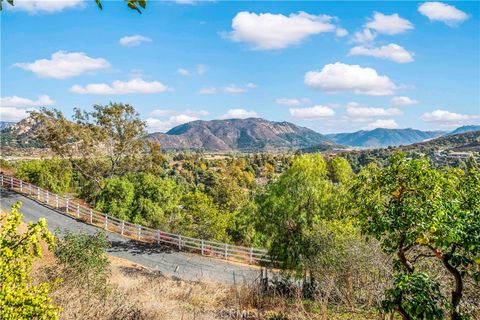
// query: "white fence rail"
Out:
[88,215]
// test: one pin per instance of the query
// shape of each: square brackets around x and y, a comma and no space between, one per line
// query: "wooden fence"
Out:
[134,231]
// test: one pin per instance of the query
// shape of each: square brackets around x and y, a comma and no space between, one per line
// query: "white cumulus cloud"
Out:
[438,11]
[403,101]
[315,112]
[365,36]
[389,24]
[45,6]
[382,123]
[444,116]
[13,113]
[291,101]
[121,87]
[134,40]
[63,65]
[341,32]
[339,77]
[15,101]
[155,125]
[354,110]
[239,114]
[267,31]
[391,51]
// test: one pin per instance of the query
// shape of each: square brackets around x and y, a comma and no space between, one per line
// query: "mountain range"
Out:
[252,134]
[381,137]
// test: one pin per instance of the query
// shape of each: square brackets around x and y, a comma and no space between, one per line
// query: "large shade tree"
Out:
[419,212]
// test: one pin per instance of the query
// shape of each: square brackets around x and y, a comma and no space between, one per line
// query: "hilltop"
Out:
[382,137]
[252,134]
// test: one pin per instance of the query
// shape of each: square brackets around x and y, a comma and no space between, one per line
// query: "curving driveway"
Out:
[163,259]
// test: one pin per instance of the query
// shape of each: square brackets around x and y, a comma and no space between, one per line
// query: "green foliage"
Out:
[52,174]
[116,198]
[415,295]
[83,260]
[291,206]
[410,206]
[101,144]
[140,198]
[19,297]
[201,218]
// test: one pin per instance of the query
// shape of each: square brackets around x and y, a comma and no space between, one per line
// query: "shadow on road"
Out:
[138,248]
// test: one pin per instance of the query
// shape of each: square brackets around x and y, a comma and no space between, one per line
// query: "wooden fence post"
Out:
[203,246]
[106,222]
[179,242]
[78,211]
[21,186]
[30,189]
[158,237]
[251,255]
[48,196]
[38,193]
[66,204]
[123,227]
[226,250]
[56,201]
[139,232]
[11,182]
[91,215]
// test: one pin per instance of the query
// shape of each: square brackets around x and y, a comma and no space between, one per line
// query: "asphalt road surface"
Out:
[163,259]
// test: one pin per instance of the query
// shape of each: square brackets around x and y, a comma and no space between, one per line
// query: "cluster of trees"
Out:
[400,229]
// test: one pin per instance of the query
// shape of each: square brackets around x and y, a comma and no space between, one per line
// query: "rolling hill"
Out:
[381,137]
[252,134]
[464,129]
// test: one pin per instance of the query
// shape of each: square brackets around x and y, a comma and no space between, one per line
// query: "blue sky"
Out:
[330,66]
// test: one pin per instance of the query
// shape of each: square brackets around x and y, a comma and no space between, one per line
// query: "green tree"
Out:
[19,297]
[201,218]
[419,212]
[290,208]
[103,143]
[156,201]
[52,174]
[117,198]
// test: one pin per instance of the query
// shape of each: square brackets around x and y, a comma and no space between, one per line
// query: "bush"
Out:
[20,298]
[52,174]
[83,260]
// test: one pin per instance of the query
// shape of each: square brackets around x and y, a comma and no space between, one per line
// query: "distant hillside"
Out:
[21,134]
[464,129]
[251,134]
[381,137]
[5,124]
[462,142]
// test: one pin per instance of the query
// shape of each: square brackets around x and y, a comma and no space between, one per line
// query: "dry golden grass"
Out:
[136,292]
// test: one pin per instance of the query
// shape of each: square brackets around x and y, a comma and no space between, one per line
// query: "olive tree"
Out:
[419,212]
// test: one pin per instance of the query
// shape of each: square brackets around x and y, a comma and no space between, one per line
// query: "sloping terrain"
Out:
[381,137]
[464,129]
[251,134]
[162,259]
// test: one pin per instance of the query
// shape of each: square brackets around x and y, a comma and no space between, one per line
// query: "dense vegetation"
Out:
[400,235]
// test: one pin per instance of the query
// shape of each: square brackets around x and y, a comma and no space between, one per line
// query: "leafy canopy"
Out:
[19,297]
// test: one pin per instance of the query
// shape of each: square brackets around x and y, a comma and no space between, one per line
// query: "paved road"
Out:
[162,259]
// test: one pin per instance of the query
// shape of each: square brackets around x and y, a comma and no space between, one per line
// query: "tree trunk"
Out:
[458,292]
